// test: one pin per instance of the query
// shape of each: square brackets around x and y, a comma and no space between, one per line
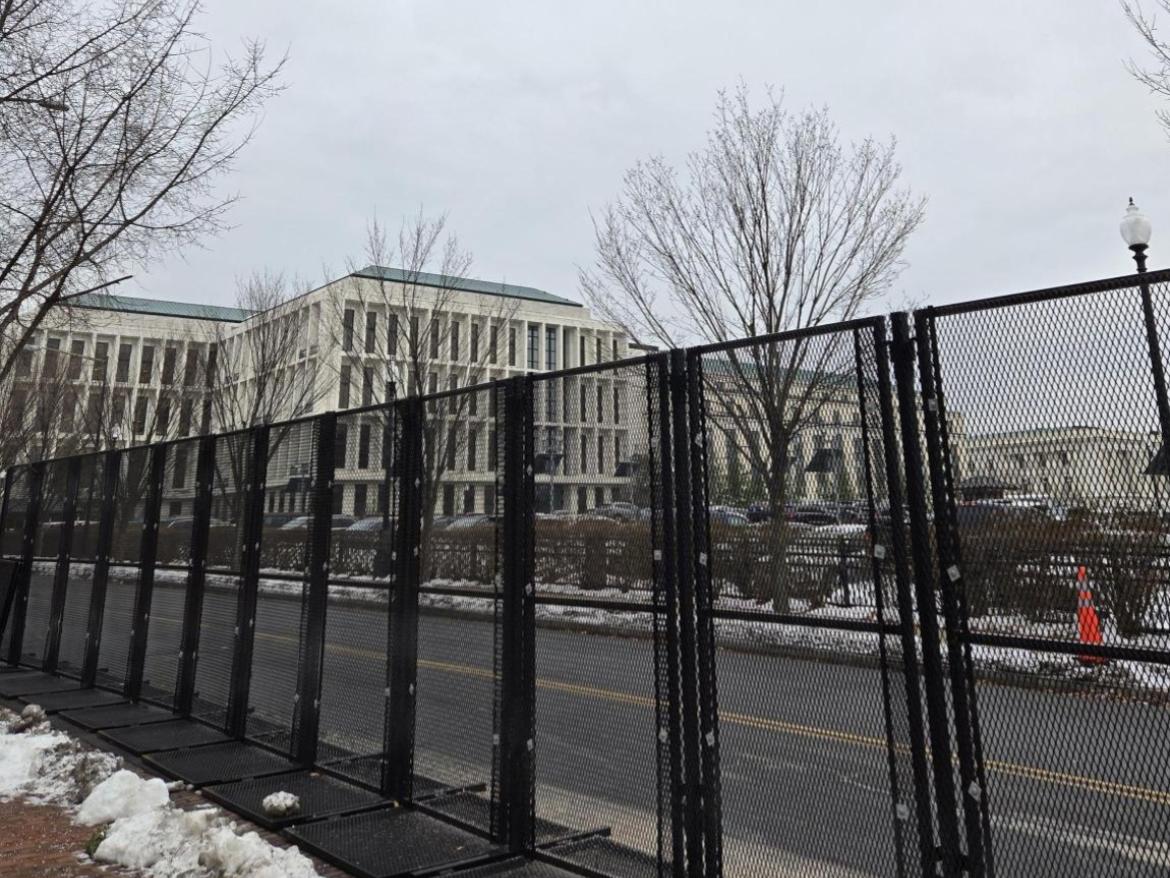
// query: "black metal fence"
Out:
[884,597]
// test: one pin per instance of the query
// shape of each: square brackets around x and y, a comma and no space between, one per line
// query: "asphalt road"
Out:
[1078,785]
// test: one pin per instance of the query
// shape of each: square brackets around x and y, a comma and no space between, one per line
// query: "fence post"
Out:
[687,564]
[517,664]
[934,678]
[61,579]
[111,464]
[9,598]
[670,744]
[196,577]
[705,622]
[402,649]
[1157,369]
[36,477]
[974,788]
[253,524]
[147,557]
[905,598]
[306,717]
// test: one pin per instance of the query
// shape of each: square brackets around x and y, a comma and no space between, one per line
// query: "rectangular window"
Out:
[24,364]
[597,350]
[489,499]
[139,425]
[533,353]
[368,385]
[359,501]
[600,406]
[493,402]
[180,480]
[615,356]
[341,446]
[448,499]
[205,425]
[124,353]
[566,392]
[550,401]
[185,411]
[363,461]
[347,330]
[432,389]
[434,338]
[472,450]
[371,332]
[475,342]
[581,351]
[76,354]
[582,499]
[473,404]
[454,355]
[162,417]
[343,388]
[383,497]
[169,357]
[617,450]
[101,356]
[175,508]
[584,454]
[451,447]
[599,496]
[617,406]
[452,382]
[493,343]
[93,413]
[212,359]
[338,499]
[52,352]
[392,335]
[601,455]
[491,460]
[468,500]
[146,365]
[511,346]
[582,394]
[550,348]
[191,367]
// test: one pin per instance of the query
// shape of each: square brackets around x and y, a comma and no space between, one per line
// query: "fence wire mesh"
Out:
[17,506]
[794,491]
[80,560]
[1056,494]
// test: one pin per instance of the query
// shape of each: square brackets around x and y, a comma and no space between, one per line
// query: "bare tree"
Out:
[772,226]
[1157,76]
[115,126]
[421,339]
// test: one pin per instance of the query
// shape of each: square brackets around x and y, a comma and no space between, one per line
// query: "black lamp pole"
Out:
[1139,256]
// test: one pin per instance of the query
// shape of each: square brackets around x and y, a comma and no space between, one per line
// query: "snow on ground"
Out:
[139,826]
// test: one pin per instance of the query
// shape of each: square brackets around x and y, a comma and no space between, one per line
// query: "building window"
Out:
[101,355]
[371,331]
[170,355]
[123,371]
[617,406]
[492,451]
[434,338]
[392,335]
[24,364]
[190,368]
[473,404]
[206,417]
[383,497]
[533,353]
[347,330]
[511,346]
[162,416]
[489,499]
[139,425]
[550,348]
[76,353]
[175,508]
[615,349]
[212,359]
[601,455]
[53,346]
[180,478]
[452,447]
[368,385]
[468,500]
[472,449]
[581,350]
[600,406]
[363,461]
[493,341]
[550,400]
[432,389]
[341,445]
[338,499]
[582,499]
[343,388]
[454,357]
[617,450]
[448,499]
[414,337]
[597,351]
[475,342]
[185,411]
[584,454]
[359,501]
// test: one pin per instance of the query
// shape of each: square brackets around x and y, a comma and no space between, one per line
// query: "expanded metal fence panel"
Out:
[52,513]
[218,634]
[789,479]
[82,554]
[12,532]
[164,625]
[355,673]
[597,451]
[460,504]
[1055,507]
[280,605]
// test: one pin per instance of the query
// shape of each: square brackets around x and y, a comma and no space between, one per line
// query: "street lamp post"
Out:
[1136,231]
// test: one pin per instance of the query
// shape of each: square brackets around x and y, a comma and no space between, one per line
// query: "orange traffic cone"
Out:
[1087,621]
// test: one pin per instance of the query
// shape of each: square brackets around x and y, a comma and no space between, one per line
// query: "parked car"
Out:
[369,524]
[279,519]
[187,522]
[472,520]
[723,515]
[303,522]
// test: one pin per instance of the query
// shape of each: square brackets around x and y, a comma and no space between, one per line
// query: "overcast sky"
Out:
[1017,120]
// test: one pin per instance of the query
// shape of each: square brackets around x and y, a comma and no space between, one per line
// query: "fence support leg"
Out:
[934,677]
[1157,369]
[111,465]
[402,654]
[196,578]
[147,557]
[61,579]
[518,657]
[36,477]
[306,717]
[253,524]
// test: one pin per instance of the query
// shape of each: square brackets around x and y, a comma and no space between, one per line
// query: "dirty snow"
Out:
[123,794]
[281,804]
[40,764]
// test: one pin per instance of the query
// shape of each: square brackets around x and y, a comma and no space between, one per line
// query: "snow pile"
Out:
[41,764]
[281,804]
[151,834]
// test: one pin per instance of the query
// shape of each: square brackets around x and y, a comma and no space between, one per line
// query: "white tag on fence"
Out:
[879,551]
[953,573]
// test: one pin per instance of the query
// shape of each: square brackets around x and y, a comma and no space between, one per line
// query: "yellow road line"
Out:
[1014,769]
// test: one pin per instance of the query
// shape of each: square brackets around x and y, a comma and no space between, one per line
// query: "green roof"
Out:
[467,284]
[160,308]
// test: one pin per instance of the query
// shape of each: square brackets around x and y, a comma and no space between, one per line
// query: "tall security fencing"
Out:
[884,597]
